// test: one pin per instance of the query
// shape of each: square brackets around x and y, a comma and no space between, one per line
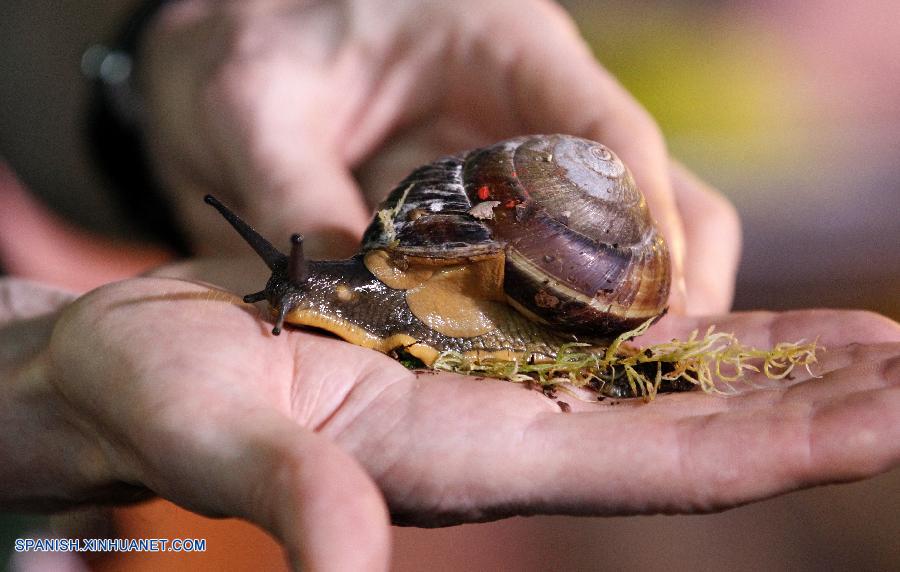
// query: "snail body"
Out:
[507,251]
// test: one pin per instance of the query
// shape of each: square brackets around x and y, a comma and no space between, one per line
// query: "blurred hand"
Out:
[39,245]
[180,389]
[273,105]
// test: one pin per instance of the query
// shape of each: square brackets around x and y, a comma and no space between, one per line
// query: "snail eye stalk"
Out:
[270,255]
[298,267]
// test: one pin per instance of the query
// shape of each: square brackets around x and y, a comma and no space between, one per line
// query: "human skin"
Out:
[170,387]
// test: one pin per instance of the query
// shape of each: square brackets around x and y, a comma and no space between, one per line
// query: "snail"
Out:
[508,251]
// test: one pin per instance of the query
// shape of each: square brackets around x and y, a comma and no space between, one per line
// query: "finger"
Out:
[833,376]
[245,124]
[281,168]
[286,166]
[641,463]
[313,496]
[331,225]
[558,86]
[24,300]
[294,483]
[844,339]
[316,197]
[712,243]
[837,374]
[831,328]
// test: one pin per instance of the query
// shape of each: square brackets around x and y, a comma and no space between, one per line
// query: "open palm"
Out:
[188,395]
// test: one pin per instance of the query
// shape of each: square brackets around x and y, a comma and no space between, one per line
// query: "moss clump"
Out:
[716,362]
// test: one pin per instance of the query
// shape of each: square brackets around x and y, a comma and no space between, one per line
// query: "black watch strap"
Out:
[114,130]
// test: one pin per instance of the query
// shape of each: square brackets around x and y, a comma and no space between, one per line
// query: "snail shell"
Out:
[510,251]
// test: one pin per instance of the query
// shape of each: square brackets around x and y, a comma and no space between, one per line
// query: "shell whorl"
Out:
[428,215]
[582,253]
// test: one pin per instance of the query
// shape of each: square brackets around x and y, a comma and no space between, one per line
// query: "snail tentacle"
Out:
[270,255]
[255,297]
[298,267]
[283,309]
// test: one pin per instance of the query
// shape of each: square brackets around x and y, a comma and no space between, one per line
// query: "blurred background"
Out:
[789,107]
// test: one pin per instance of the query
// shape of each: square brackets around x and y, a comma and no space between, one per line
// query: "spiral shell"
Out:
[580,250]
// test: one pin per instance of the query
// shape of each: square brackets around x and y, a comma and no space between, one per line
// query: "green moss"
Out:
[716,362]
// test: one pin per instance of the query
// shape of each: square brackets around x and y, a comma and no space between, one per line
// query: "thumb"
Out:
[302,488]
[316,499]
[281,157]
[316,196]
[713,240]
[268,156]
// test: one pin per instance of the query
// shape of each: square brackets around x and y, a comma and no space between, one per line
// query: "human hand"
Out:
[179,388]
[275,105]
